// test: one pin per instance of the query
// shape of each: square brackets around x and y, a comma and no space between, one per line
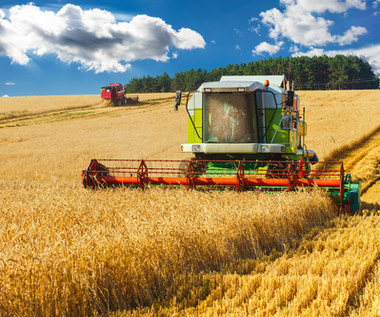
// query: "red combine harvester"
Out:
[114,93]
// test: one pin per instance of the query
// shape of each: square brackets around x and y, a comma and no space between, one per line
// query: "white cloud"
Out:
[304,28]
[313,52]
[92,38]
[294,49]
[9,84]
[299,22]
[255,29]
[351,35]
[185,39]
[370,53]
[265,47]
[237,32]
[237,47]
[5,96]
[320,6]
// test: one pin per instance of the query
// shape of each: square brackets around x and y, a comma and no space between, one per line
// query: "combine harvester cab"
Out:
[245,133]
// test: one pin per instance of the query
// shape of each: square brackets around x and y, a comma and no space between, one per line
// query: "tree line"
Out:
[307,73]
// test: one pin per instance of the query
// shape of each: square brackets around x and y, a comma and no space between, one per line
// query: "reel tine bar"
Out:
[280,175]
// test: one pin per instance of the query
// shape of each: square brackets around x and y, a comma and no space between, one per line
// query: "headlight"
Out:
[196,148]
[265,148]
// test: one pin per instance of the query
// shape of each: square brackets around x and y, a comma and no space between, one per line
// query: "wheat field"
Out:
[67,251]
[18,106]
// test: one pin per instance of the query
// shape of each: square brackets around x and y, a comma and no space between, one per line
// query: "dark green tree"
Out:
[318,72]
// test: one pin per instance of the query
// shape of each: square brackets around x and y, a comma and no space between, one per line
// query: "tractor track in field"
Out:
[82,112]
[353,301]
[369,144]
[355,152]
[362,160]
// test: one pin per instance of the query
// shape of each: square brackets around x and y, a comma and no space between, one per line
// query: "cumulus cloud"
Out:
[92,38]
[265,47]
[370,53]
[303,24]
[255,29]
[320,6]
[300,22]
[351,35]
[8,83]
[304,29]
[294,49]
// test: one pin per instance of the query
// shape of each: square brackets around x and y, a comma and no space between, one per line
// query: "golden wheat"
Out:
[21,106]
[116,249]
[320,278]
[368,303]
[58,150]
[25,105]
[68,251]
[337,118]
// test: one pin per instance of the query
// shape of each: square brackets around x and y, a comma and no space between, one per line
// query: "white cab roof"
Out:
[277,80]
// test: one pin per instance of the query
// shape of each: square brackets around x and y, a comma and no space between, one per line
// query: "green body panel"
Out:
[282,136]
[352,192]
[291,156]
[248,167]
[353,196]
[192,136]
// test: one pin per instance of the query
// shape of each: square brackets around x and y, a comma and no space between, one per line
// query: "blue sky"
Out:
[75,47]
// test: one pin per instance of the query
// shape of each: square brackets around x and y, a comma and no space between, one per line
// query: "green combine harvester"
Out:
[244,133]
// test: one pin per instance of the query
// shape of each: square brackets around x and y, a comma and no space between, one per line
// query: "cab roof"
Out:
[278,80]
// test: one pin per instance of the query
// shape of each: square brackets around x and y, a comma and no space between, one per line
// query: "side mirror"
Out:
[177,101]
[290,98]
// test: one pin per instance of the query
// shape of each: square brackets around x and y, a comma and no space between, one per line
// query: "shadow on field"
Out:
[370,206]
